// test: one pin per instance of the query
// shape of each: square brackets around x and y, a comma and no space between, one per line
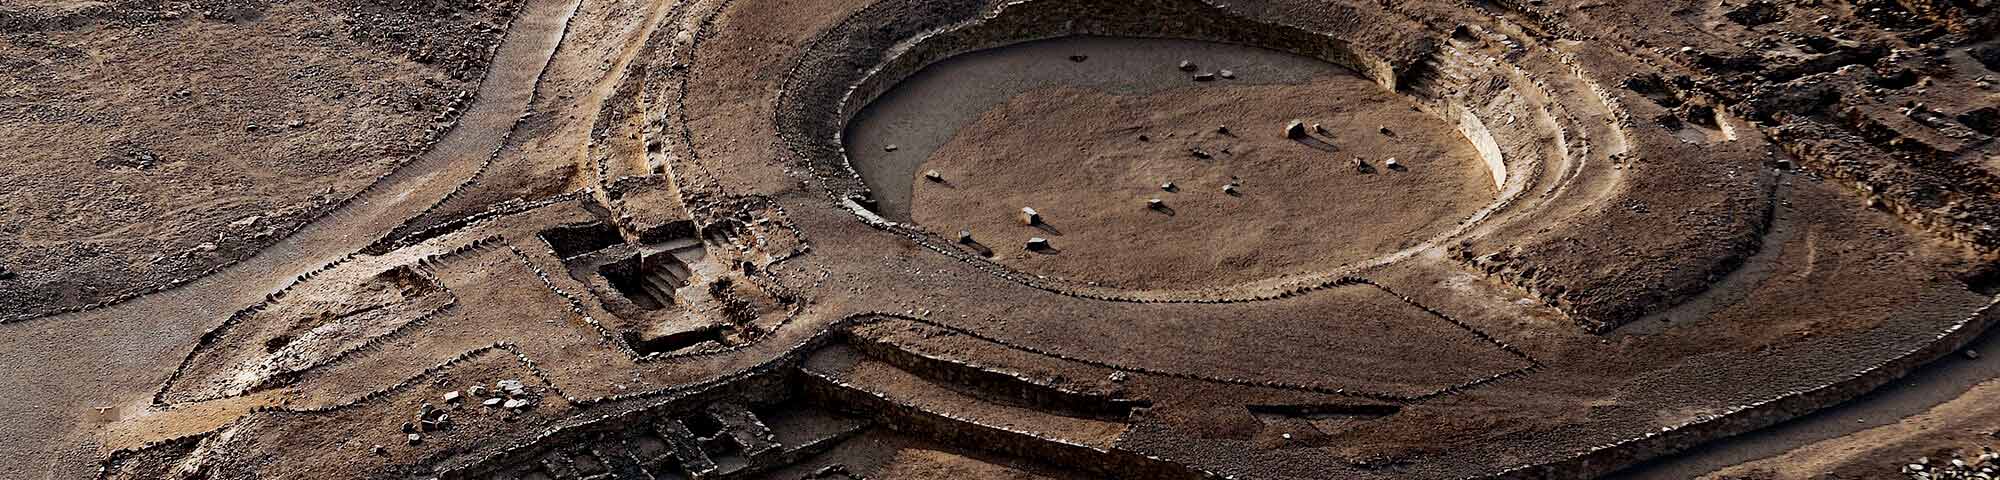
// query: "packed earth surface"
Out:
[1020,239]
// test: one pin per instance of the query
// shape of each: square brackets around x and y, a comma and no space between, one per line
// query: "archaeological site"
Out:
[999,239]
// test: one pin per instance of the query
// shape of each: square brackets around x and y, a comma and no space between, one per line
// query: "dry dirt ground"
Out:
[774,239]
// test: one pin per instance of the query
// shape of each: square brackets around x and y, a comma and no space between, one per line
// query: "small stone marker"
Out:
[1231,189]
[1321,129]
[1226,74]
[379,450]
[1295,130]
[1386,131]
[890,148]
[1188,66]
[1030,217]
[1204,77]
[416,438]
[1169,187]
[965,237]
[1038,244]
[934,176]
[453,397]
[1156,204]
[1222,129]
[1392,164]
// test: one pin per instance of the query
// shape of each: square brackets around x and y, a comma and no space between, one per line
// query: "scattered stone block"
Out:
[1295,130]
[1038,244]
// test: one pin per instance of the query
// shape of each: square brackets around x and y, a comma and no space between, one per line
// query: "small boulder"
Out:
[1188,66]
[1030,217]
[1295,130]
[1038,244]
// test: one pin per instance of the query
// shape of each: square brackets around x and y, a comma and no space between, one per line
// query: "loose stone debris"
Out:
[1986,466]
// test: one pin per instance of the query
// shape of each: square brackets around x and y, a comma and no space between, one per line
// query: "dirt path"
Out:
[1952,380]
[63,368]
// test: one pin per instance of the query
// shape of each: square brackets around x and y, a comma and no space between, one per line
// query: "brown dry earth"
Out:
[1301,205]
[1651,274]
[150,144]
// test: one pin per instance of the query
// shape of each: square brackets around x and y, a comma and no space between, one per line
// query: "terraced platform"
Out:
[1051,239]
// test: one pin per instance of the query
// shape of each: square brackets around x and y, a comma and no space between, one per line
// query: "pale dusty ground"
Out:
[1302,206]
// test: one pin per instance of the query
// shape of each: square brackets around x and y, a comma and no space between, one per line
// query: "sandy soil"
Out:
[1299,206]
